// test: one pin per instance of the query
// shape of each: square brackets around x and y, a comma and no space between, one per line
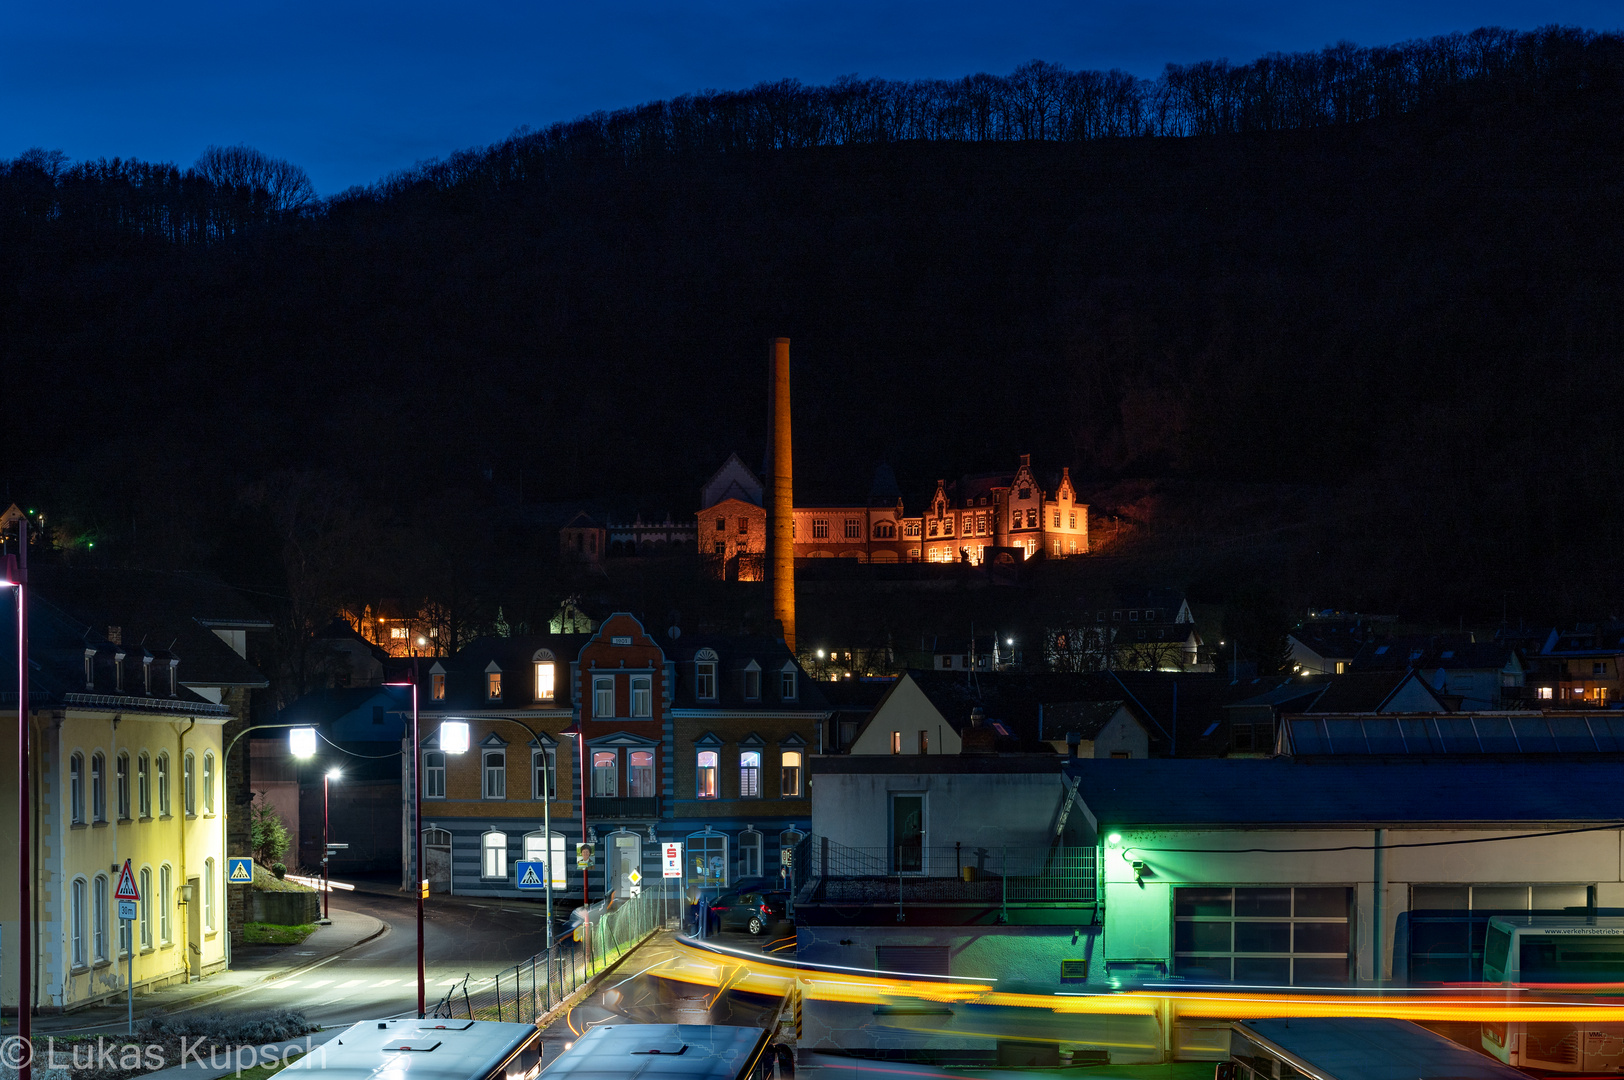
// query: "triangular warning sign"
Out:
[126,885]
[240,872]
[530,877]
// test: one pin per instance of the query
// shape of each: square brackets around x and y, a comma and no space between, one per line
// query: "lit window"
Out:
[744,526]
[544,681]
[1032,519]
[947,527]
[397,633]
[749,774]
[493,856]
[1341,667]
[640,774]
[1073,520]
[1545,693]
[933,527]
[642,695]
[896,742]
[1057,519]
[603,697]
[434,775]
[705,775]
[605,774]
[495,763]
[493,686]
[790,777]
[981,525]
[820,529]
[437,687]
[705,681]
[854,529]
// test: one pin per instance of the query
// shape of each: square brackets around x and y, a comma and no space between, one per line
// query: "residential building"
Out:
[640,738]
[1581,665]
[732,534]
[135,680]
[1136,629]
[1466,673]
[1325,644]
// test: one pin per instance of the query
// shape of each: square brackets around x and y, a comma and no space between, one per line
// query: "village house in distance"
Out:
[987,517]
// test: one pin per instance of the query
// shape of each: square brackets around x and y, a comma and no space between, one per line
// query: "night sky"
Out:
[352,89]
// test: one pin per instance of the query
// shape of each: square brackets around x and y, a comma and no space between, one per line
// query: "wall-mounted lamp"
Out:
[185,894]
[454,736]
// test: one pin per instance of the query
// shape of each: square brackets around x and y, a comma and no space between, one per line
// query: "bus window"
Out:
[1496,950]
[1572,959]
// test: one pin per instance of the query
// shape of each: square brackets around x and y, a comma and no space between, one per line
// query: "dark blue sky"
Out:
[352,89]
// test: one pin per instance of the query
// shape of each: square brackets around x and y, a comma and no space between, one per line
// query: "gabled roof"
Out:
[1244,793]
[1371,691]
[174,610]
[1449,651]
[1332,639]
[513,656]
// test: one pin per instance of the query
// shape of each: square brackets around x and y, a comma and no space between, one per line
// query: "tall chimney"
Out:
[781,505]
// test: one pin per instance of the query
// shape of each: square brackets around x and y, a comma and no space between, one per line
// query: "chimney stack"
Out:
[781,495]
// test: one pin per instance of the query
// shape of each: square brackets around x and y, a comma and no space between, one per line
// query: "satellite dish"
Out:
[674,633]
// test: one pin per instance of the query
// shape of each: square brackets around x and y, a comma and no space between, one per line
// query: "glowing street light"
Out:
[302,742]
[454,736]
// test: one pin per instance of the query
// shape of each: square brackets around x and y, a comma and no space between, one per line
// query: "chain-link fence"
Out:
[532,988]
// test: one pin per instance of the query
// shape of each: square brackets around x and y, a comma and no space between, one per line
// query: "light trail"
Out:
[758,974]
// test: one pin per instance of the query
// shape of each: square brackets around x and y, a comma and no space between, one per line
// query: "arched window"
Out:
[163,785]
[605,773]
[705,775]
[790,778]
[749,774]
[640,774]
[536,848]
[143,776]
[78,901]
[146,907]
[208,783]
[166,900]
[707,859]
[543,773]
[98,918]
[76,788]
[545,681]
[493,856]
[122,790]
[495,766]
[98,787]
[208,895]
[188,783]
[749,854]
[433,774]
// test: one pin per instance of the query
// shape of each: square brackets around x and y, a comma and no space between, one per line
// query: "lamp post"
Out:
[17,578]
[327,844]
[225,810]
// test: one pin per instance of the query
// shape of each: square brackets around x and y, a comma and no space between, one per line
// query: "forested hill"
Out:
[1394,272]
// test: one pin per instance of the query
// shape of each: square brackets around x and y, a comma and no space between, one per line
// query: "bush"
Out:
[280,870]
[229,1029]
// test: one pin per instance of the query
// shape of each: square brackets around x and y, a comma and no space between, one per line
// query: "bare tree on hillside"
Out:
[283,183]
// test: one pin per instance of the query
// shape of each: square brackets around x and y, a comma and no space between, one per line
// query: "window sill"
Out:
[79,969]
[144,817]
[166,817]
[99,964]
[208,815]
[98,824]
[78,825]
[191,817]
[147,950]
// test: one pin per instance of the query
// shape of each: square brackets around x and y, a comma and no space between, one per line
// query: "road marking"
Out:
[318,982]
[386,982]
[350,983]
[449,982]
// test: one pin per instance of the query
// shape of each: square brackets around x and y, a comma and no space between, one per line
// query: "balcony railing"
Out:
[612,807]
[825,871]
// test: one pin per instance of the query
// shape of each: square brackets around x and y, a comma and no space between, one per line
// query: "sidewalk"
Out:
[251,966]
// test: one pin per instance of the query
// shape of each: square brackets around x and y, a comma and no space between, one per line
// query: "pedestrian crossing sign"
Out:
[126,885]
[239,871]
[532,875]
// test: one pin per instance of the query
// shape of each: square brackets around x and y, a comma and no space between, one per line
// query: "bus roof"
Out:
[660,1052]
[1371,1048]
[1600,924]
[415,1049]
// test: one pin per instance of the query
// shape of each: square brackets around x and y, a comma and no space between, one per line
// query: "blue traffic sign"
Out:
[239,871]
[532,875]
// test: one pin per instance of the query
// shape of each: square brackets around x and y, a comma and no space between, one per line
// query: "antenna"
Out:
[975,683]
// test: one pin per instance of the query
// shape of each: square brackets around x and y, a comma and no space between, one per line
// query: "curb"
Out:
[383,928]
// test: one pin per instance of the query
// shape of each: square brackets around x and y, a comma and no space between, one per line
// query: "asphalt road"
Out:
[379,978]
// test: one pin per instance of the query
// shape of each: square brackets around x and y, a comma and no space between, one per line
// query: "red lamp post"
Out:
[17,578]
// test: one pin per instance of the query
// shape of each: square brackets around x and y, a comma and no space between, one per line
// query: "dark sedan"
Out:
[754,910]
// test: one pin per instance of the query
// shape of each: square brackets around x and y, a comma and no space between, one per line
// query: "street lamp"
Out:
[302,742]
[327,844]
[17,577]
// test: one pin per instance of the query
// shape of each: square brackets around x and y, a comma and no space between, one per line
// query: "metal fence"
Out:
[826,871]
[532,988]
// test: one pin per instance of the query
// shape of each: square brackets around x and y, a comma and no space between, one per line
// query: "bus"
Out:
[666,1052]
[1351,1048]
[1556,952]
[427,1050]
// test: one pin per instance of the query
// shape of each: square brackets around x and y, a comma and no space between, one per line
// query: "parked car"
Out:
[755,910]
[702,897]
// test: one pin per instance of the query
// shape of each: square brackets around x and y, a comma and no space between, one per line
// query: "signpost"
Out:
[127,895]
[239,871]
[532,875]
[635,880]
[671,860]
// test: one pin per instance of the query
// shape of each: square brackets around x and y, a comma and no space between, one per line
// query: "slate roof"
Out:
[1449,652]
[733,655]
[1333,640]
[170,610]
[465,673]
[1284,791]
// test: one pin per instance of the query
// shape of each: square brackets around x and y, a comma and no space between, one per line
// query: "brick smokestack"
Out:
[781,495]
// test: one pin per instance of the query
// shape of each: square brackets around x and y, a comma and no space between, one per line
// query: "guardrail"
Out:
[824,870]
[532,988]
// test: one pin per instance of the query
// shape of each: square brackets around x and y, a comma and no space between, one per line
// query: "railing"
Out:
[532,988]
[955,873]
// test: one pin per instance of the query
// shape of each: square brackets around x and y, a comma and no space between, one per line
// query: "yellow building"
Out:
[126,764]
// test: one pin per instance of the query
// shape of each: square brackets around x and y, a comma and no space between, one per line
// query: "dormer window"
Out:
[493,686]
[437,687]
[705,675]
[545,674]
[90,669]
[752,682]
[787,682]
